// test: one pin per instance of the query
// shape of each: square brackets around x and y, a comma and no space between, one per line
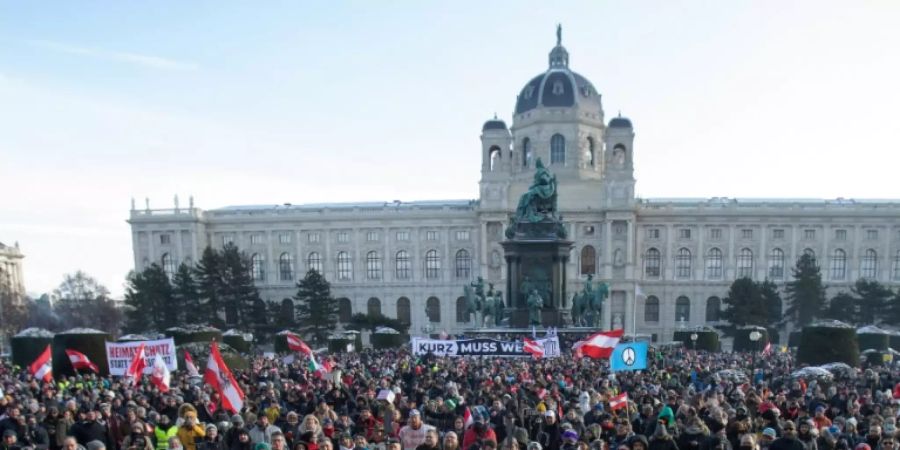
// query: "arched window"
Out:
[811,253]
[651,309]
[168,265]
[345,266]
[433,309]
[714,264]
[745,263]
[432,265]
[868,267]
[683,263]
[588,260]
[288,313]
[838,264]
[314,262]
[776,264]
[373,266]
[402,265]
[713,309]
[557,149]
[463,264]
[494,154]
[373,307]
[895,271]
[286,267]
[591,151]
[404,312]
[526,152]
[258,267]
[462,310]
[682,309]
[652,263]
[345,310]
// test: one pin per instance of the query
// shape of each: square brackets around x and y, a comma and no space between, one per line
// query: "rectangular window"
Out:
[284,238]
[431,236]
[227,239]
[403,235]
[746,233]
[840,235]
[372,236]
[256,239]
[872,235]
[313,238]
[165,239]
[653,233]
[462,235]
[715,233]
[778,233]
[343,237]
[684,233]
[809,235]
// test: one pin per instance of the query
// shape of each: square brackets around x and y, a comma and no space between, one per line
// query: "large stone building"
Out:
[11,280]
[410,259]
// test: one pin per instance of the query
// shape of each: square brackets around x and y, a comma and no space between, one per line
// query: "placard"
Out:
[120,354]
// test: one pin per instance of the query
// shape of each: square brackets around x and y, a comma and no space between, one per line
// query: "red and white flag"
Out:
[535,348]
[190,366]
[619,401]
[599,345]
[219,377]
[767,349]
[80,361]
[42,367]
[468,420]
[160,374]
[297,345]
[136,368]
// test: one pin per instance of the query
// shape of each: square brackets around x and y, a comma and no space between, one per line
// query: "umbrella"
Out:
[737,376]
[813,373]
[839,369]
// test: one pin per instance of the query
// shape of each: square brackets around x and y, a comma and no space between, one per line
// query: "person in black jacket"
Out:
[788,440]
[37,435]
[89,430]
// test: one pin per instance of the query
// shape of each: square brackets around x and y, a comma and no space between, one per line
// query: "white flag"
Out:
[638,292]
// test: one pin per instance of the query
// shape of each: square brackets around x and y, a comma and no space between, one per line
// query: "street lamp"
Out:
[754,338]
[694,337]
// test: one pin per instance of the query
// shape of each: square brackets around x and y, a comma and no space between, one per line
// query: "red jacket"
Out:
[472,436]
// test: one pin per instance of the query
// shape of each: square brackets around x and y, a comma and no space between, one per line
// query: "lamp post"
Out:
[754,338]
[694,337]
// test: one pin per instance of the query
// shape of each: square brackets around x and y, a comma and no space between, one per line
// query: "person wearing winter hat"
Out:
[233,434]
[788,440]
[191,431]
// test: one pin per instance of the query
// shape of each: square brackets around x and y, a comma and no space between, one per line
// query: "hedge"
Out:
[873,341]
[794,338]
[281,341]
[707,340]
[825,343]
[338,345]
[28,345]
[385,340]
[85,340]
[194,333]
[237,341]
[200,354]
[894,340]
[742,342]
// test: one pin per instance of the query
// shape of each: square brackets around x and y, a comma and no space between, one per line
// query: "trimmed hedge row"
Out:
[742,342]
[825,344]
[707,340]
[25,349]
[874,341]
[90,342]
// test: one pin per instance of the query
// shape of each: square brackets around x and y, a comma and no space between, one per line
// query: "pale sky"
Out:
[273,102]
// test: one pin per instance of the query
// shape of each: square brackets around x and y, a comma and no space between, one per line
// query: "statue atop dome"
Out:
[558,34]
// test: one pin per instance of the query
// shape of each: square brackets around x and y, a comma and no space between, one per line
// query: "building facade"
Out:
[11,280]
[410,259]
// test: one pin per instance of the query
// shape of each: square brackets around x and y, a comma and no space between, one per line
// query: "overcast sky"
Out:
[272,102]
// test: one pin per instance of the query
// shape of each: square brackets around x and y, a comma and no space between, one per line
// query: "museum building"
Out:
[410,260]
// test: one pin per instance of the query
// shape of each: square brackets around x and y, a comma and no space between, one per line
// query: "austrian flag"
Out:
[599,345]
[219,377]
[42,367]
[535,348]
[619,401]
[80,361]
[297,345]
[136,368]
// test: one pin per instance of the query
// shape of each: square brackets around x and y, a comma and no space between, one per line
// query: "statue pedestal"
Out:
[536,258]
[519,318]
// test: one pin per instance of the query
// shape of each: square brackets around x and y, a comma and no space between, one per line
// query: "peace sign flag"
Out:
[629,356]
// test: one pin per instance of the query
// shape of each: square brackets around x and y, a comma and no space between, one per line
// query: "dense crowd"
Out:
[392,400]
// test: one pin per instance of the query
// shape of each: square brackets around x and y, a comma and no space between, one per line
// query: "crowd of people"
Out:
[393,400]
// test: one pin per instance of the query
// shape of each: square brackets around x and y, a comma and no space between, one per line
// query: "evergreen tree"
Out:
[771,298]
[208,277]
[150,299]
[745,305]
[842,307]
[805,293]
[186,296]
[871,300]
[317,310]
[238,292]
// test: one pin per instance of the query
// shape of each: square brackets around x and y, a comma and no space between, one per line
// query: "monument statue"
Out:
[473,302]
[588,304]
[538,204]
[535,303]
